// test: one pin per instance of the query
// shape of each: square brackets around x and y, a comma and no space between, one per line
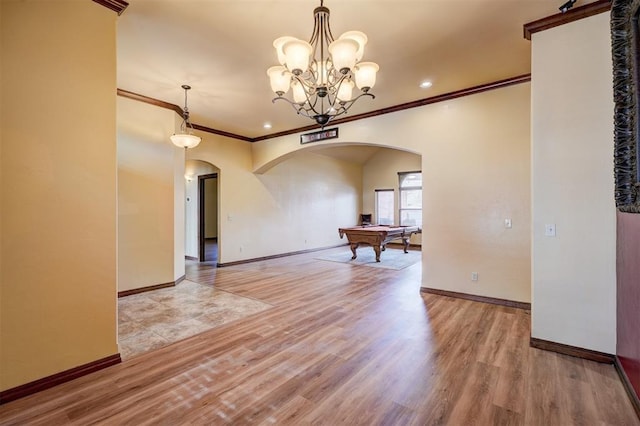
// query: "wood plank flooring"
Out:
[343,345]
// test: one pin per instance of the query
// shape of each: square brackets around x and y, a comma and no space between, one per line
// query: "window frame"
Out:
[401,176]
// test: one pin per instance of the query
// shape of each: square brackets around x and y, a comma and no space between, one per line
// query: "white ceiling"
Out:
[222,48]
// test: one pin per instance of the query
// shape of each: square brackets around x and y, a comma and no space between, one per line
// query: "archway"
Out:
[380,168]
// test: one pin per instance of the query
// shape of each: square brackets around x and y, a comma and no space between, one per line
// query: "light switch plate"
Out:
[550,230]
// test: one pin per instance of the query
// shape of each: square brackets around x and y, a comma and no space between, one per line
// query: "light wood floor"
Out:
[211,250]
[342,345]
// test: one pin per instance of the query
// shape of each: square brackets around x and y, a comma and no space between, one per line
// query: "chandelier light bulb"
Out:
[345,92]
[299,94]
[360,38]
[366,75]
[297,53]
[280,79]
[278,44]
[322,71]
[343,54]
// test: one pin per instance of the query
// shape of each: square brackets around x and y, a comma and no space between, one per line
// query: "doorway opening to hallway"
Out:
[208,218]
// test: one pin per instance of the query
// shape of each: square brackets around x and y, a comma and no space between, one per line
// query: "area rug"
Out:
[389,259]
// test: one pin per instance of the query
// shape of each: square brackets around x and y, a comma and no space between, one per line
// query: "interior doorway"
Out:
[208,218]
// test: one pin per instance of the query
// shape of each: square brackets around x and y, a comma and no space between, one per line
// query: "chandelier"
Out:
[185,139]
[323,72]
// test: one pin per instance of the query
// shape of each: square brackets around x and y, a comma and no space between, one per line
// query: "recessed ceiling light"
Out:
[426,84]
[267,125]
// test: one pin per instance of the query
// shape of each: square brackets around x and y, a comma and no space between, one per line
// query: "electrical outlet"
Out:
[474,276]
[507,223]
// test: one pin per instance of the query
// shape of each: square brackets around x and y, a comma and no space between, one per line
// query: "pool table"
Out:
[377,236]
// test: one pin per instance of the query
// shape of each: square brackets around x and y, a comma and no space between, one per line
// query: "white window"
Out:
[384,206]
[410,198]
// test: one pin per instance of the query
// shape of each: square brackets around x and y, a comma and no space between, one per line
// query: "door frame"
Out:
[201,221]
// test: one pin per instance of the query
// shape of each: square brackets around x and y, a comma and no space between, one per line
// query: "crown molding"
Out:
[152,101]
[117,5]
[558,19]
[173,107]
[413,104]
[408,105]
[222,133]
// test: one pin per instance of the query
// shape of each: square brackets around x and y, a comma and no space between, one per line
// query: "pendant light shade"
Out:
[185,140]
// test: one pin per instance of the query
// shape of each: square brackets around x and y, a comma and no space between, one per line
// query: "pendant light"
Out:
[185,139]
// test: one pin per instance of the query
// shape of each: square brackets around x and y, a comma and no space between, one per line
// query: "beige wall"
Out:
[574,275]
[475,165]
[193,169]
[150,180]
[310,197]
[58,187]
[179,213]
[296,206]
[2,25]
[381,172]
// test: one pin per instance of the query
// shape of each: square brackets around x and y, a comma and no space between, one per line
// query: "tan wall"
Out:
[381,172]
[58,187]
[193,169]
[147,181]
[211,208]
[574,273]
[310,197]
[475,164]
[296,206]
[2,106]
[476,173]
[179,213]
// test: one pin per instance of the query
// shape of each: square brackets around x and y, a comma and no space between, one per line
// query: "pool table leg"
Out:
[354,247]
[405,241]
[377,249]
